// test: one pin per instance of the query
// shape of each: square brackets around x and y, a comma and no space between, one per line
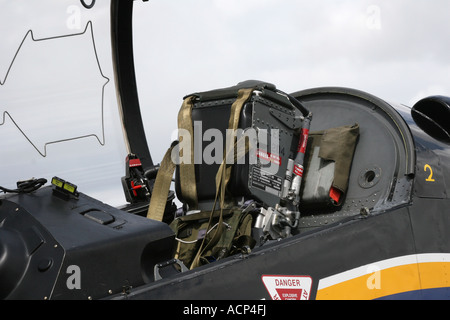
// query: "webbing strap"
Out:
[187,169]
[233,122]
[236,107]
[161,187]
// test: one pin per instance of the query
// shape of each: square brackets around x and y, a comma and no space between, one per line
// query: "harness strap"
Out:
[161,187]
[187,170]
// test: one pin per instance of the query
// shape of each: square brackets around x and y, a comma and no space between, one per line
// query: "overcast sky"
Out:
[395,49]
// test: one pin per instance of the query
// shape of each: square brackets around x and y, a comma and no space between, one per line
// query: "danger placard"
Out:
[288,287]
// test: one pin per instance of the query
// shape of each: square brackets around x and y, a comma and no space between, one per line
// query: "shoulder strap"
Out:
[187,170]
[161,187]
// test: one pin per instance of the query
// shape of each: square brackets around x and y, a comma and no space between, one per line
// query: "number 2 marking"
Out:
[430,177]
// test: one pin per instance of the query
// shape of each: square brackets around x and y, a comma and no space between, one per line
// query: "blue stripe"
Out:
[425,294]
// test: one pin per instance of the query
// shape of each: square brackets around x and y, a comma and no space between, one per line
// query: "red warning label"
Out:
[288,287]
[298,170]
[290,294]
[272,157]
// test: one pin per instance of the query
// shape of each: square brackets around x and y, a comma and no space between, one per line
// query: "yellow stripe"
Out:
[435,274]
[375,285]
[389,281]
